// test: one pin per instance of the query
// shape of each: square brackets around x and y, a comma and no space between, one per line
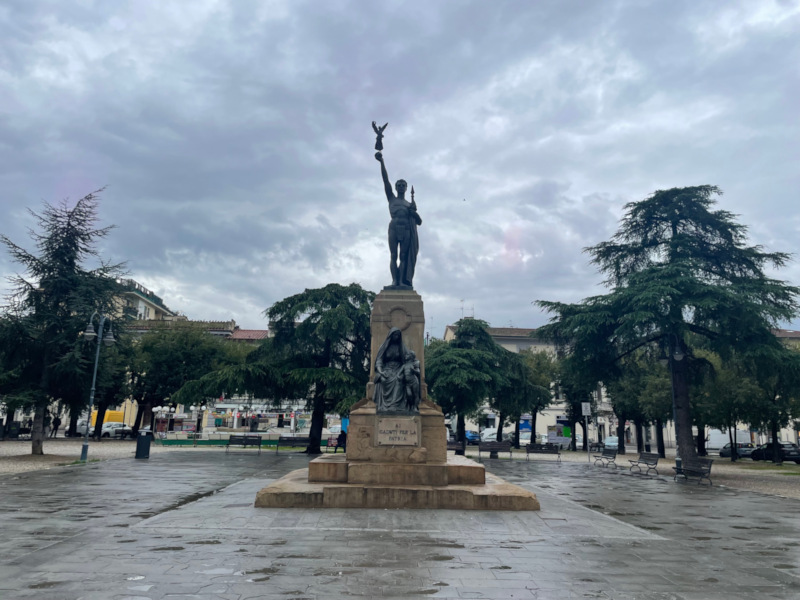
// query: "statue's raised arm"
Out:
[386,183]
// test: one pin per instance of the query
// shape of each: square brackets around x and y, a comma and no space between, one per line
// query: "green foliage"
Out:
[472,368]
[460,379]
[49,306]
[323,338]
[676,268]
[167,359]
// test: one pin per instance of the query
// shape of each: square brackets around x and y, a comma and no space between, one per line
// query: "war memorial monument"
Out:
[397,441]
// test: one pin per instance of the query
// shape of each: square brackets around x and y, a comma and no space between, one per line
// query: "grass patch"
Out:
[78,462]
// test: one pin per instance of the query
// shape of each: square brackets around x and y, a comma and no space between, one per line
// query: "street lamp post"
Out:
[108,340]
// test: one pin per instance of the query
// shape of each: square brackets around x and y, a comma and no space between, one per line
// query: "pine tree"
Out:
[51,302]
[675,268]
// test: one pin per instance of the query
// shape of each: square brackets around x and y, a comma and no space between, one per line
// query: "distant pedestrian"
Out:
[341,442]
[56,425]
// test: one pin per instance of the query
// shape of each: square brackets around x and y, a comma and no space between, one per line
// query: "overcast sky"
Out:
[235,142]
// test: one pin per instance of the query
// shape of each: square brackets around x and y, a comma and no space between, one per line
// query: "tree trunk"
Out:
[701,440]
[461,432]
[137,423]
[72,428]
[734,449]
[620,435]
[10,412]
[501,418]
[777,452]
[501,421]
[534,439]
[683,411]
[585,435]
[662,451]
[317,422]
[98,421]
[37,431]
[637,425]
[516,432]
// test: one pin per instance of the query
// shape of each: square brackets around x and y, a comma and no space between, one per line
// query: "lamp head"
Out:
[89,333]
[108,338]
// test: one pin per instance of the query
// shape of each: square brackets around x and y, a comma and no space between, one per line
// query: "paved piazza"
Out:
[181,526]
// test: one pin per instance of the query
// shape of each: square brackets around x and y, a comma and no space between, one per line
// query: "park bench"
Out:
[596,446]
[243,441]
[542,449]
[700,469]
[457,446]
[333,442]
[648,459]
[494,447]
[123,432]
[292,442]
[606,458]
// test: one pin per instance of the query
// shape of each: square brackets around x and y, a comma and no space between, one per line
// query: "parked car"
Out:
[524,438]
[611,442]
[490,435]
[115,429]
[742,450]
[473,437]
[764,452]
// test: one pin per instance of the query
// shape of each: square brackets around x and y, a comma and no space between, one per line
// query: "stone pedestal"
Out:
[402,309]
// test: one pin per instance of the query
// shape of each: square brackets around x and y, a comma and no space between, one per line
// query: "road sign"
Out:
[586,409]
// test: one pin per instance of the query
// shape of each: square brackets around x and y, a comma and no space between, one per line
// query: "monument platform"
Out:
[295,490]
[396,458]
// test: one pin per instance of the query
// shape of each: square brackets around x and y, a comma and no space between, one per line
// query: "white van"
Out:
[717,439]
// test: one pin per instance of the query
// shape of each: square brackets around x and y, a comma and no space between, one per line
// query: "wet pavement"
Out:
[182,526]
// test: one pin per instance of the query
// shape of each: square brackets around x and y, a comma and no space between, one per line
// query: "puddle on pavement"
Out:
[167,549]
[44,585]
[335,572]
[439,557]
[207,542]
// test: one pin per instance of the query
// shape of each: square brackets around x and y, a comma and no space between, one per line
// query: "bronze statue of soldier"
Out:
[403,238]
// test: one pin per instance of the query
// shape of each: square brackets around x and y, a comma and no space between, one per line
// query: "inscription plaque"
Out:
[398,431]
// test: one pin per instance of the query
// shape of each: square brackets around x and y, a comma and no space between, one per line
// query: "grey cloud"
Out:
[235,139]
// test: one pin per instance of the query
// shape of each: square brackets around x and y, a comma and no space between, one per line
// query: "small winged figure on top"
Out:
[379,134]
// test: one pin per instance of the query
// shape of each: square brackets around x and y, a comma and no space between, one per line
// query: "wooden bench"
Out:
[243,441]
[292,442]
[457,446]
[700,469]
[495,447]
[608,457]
[542,449]
[648,459]
[596,446]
